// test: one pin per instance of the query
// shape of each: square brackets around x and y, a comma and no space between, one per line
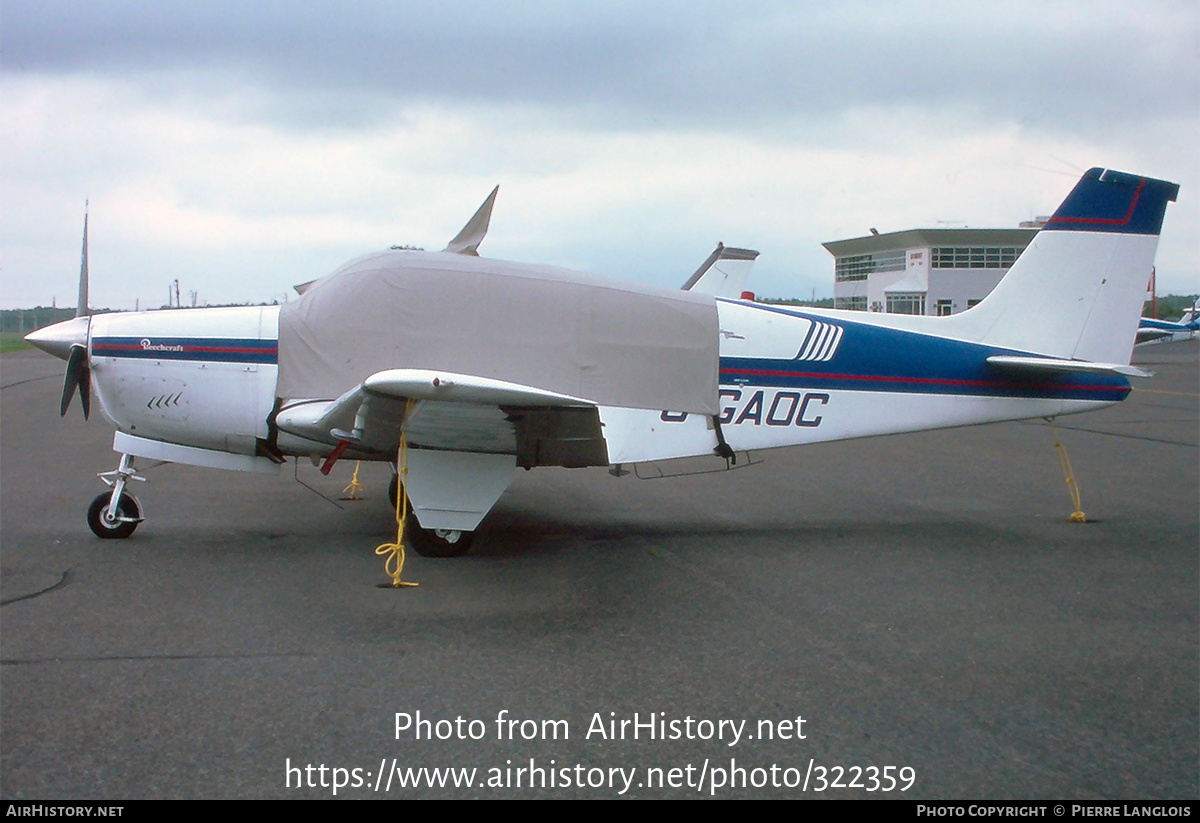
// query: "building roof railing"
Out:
[921,238]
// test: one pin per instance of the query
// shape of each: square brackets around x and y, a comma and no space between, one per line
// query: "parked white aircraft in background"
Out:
[485,366]
[1153,330]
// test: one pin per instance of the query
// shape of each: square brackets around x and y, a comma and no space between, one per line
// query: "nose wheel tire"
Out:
[127,507]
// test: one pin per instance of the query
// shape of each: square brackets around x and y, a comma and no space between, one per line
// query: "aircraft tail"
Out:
[1077,290]
[723,274]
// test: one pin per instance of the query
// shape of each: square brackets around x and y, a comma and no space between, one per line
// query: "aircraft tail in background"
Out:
[723,274]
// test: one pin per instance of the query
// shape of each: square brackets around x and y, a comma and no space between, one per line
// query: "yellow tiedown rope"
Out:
[394,552]
[355,487]
[1068,475]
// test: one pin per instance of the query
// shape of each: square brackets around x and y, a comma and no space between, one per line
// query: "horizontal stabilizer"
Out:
[1054,365]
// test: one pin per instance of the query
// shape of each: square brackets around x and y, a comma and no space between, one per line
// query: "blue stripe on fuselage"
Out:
[207,349]
[881,359]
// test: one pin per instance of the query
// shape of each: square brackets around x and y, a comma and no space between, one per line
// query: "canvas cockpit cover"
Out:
[613,343]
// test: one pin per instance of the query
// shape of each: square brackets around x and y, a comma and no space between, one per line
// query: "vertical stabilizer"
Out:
[724,273]
[467,241]
[1077,290]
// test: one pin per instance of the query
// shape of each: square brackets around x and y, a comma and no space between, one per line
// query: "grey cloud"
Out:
[633,65]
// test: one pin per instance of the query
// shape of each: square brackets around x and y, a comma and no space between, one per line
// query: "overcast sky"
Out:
[246,147]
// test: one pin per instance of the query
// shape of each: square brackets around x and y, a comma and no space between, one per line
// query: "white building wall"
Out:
[961,286]
[958,287]
[878,284]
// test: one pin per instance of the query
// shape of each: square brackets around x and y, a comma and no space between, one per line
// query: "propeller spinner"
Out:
[68,340]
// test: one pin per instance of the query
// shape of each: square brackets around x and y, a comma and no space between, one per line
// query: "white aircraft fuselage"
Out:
[206,379]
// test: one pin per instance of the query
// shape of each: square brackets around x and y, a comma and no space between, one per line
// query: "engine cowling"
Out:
[196,377]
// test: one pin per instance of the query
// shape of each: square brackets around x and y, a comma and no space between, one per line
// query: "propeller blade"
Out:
[81,309]
[85,390]
[78,374]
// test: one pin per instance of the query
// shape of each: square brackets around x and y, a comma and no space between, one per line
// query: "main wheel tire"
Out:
[97,516]
[427,543]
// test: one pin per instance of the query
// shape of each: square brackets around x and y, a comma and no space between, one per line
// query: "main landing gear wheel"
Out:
[437,542]
[431,542]
[128,516]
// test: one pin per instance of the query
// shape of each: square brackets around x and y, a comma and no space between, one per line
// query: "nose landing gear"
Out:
[116,514]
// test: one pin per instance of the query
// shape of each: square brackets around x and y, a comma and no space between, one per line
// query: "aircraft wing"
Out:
[465,433]
[456,412]
[448,387]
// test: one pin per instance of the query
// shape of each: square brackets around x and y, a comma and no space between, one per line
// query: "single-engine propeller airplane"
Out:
[485,366]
